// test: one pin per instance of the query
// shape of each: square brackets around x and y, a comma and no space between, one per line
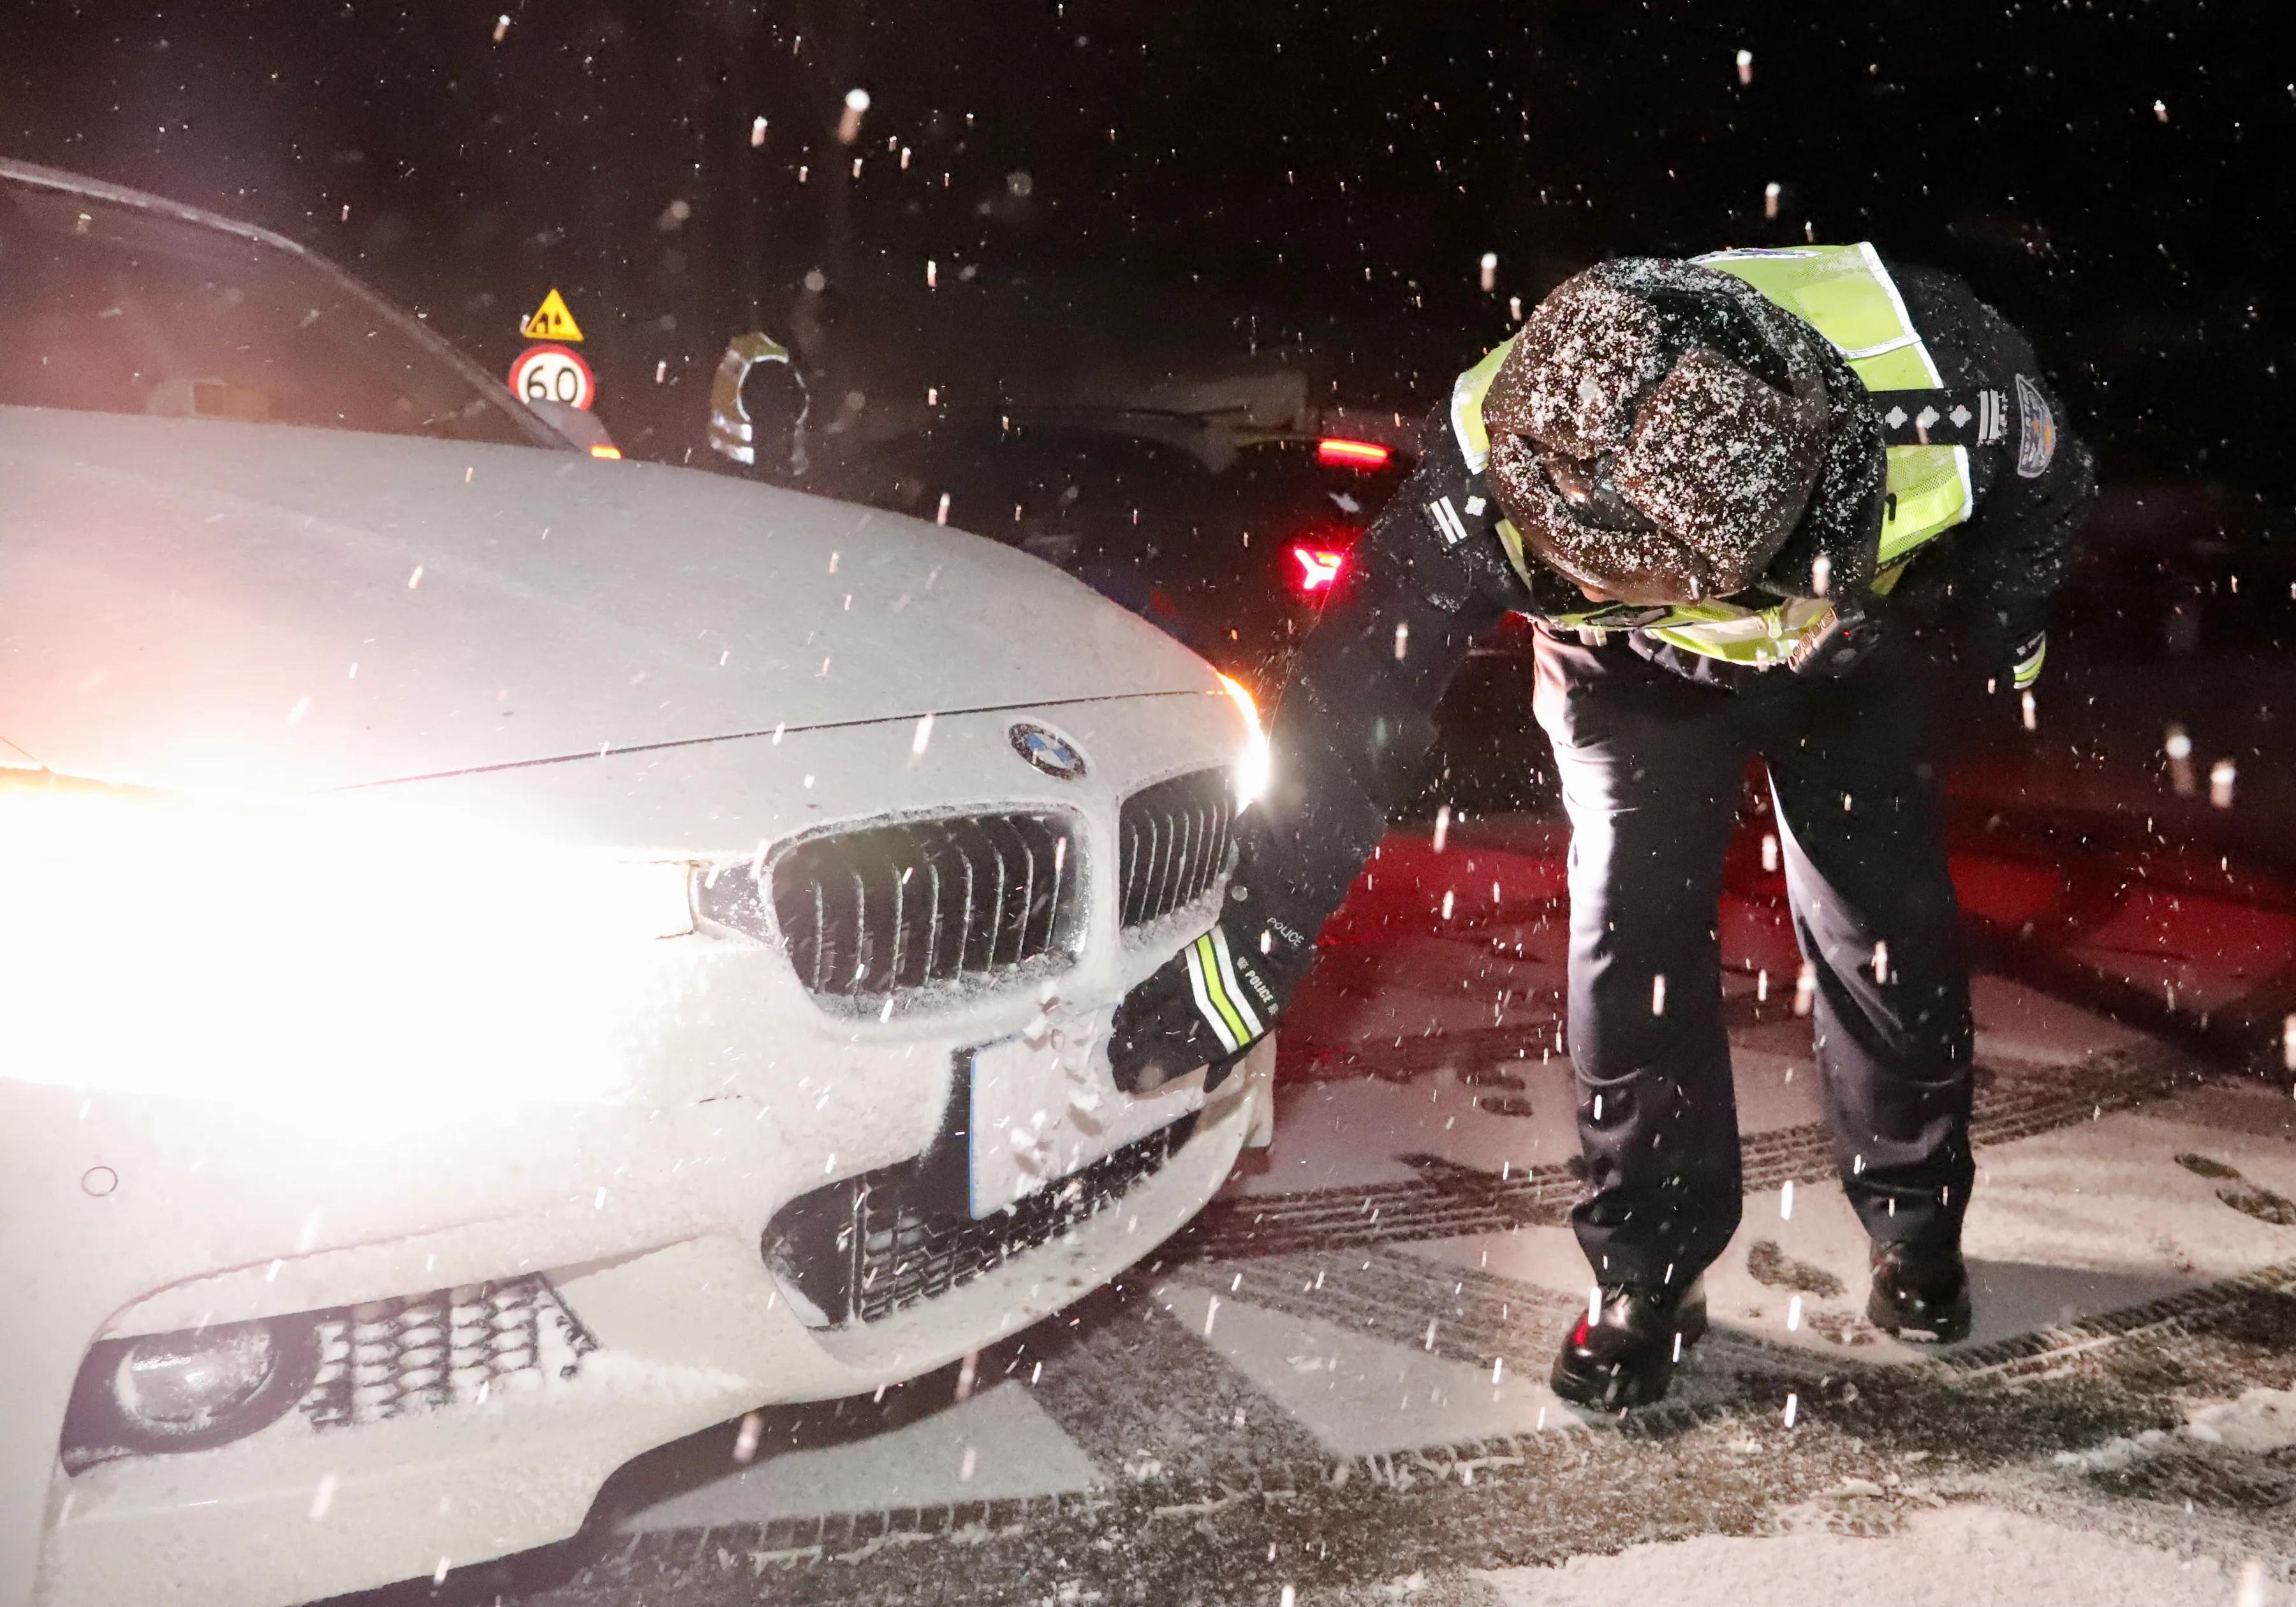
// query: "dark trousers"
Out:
[1651,766]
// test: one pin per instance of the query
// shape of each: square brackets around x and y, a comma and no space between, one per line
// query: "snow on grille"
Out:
[967,900]
[1174,843]
[448,1348]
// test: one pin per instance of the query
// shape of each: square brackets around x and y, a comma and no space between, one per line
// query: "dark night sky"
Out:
[1218,174]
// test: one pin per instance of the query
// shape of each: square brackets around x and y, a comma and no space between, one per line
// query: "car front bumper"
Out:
[687,1334]
[157,1208]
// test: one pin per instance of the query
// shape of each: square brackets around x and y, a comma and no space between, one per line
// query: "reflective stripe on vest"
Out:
[1847,295]
[1467,394]
[730,433]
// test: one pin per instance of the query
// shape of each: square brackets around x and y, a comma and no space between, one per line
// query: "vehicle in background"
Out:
[510,960]
[1227,536]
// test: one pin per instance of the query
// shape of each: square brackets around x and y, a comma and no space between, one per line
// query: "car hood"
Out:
[190,602]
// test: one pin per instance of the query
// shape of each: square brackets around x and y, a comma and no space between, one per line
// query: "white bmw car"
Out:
[508,959]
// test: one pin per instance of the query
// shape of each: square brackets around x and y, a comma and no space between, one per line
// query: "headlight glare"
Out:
[1253,763]
[289,957]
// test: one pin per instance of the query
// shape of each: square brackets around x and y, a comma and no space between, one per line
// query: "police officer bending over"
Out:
[1738,494]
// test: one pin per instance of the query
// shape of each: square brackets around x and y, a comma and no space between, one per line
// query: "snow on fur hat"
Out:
[1662,432]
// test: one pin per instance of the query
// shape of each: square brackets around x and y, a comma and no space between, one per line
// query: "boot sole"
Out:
[1948,1329]
[1615,1393]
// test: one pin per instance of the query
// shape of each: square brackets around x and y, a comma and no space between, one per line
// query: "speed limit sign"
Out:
[553,373]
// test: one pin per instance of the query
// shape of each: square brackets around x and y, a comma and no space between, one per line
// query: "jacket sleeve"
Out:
[1357,718]
[2034,491]
[2020,546]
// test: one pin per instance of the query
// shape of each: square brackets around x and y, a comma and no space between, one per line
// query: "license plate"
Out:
[1035,1121]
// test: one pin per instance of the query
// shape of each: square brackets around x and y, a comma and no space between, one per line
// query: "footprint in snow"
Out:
[1773,1266]
[2247,1198]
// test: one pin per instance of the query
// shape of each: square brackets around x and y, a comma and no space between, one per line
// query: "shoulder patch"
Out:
[1446,519]
[2036,430]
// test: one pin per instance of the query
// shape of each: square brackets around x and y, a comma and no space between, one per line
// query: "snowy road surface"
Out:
[1331,1389]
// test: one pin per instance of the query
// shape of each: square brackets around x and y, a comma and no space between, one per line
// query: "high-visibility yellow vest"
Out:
[1845,293]
[730,430]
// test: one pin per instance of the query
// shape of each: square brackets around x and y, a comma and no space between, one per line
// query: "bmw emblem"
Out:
[1049,754]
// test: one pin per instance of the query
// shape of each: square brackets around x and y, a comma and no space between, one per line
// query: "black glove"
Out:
[2010,644]
[1207,1006]
[1840,640]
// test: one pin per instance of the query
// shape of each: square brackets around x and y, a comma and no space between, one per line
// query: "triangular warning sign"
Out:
[551,321]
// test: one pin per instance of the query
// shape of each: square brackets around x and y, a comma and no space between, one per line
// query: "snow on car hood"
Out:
[190,602]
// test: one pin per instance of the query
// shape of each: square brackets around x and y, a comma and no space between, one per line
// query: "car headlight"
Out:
[322,961]
[1253,763]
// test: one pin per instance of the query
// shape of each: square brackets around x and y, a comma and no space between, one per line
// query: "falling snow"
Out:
[1406,1080]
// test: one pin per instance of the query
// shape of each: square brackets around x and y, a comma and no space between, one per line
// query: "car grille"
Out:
[870,1246]
[450,1348]
[873,914]
[1174,839]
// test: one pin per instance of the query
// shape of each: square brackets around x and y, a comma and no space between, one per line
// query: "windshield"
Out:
[112,308]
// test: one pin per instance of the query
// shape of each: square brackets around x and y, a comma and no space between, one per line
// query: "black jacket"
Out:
[1357,718]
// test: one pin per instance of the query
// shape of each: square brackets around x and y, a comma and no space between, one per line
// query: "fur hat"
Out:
[1661,432]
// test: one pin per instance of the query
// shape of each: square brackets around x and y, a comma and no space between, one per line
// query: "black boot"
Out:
[1627,1356]
[1919,1293]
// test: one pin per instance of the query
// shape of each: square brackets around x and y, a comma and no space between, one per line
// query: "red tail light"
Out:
[1318,567]
[1338,452]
